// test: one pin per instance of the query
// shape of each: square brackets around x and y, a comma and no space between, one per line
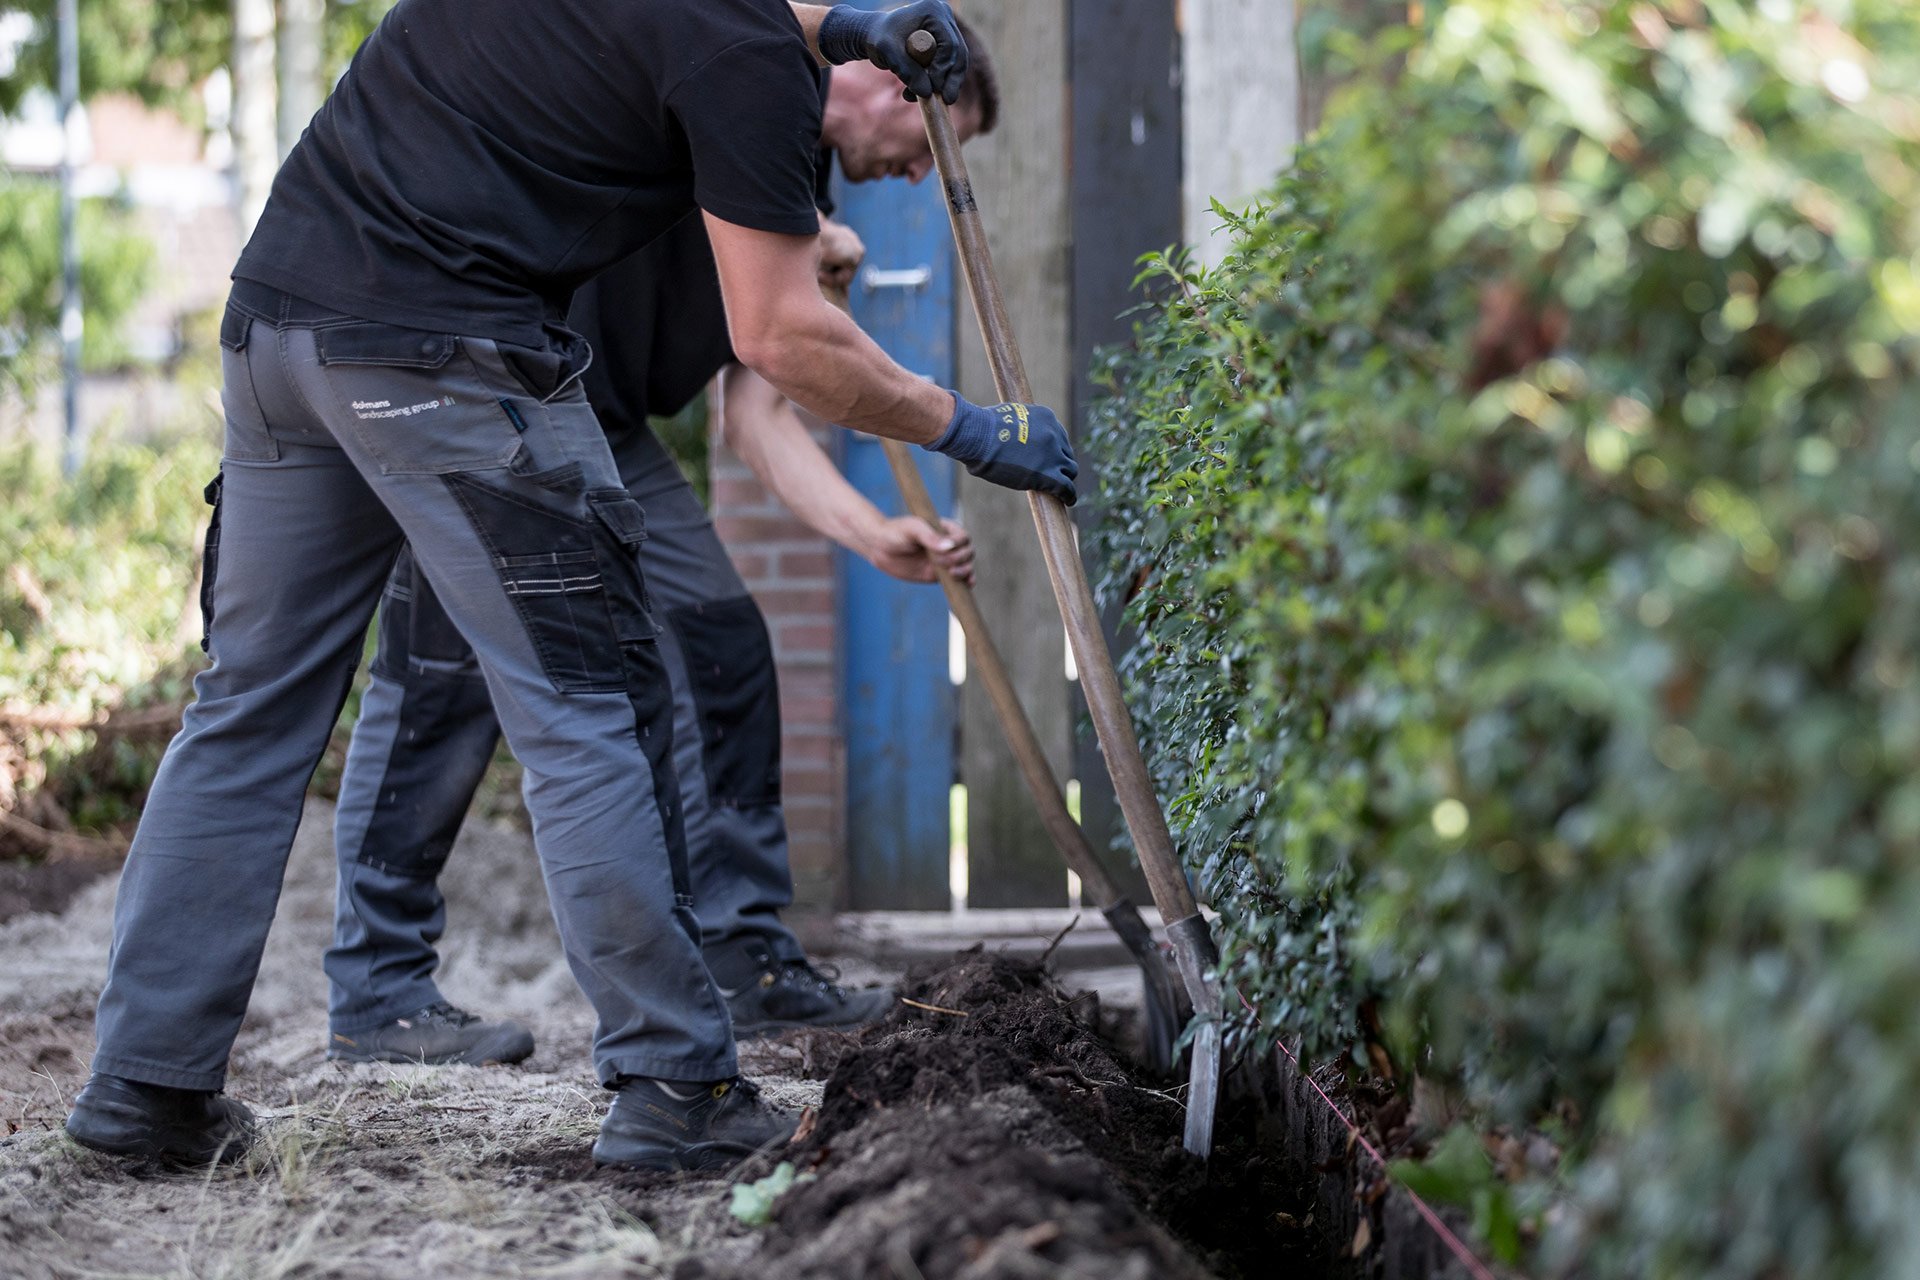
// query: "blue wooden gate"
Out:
[900,707]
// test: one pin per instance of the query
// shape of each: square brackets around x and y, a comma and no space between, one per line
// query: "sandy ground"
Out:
[992,1131]
[365,1171]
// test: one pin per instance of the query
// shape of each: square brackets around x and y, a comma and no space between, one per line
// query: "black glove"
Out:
[1019,446]
[848,34]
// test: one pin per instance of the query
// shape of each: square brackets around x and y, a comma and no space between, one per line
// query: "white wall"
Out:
[1241,79]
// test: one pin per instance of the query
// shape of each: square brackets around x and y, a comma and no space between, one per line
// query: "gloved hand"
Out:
[848,34]
[1020,446]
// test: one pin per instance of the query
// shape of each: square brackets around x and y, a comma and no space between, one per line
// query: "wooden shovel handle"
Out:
[1099,682]
[991,670]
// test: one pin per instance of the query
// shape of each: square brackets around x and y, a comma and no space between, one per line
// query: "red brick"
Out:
[815,822]
[799,538]
[751,564]
[809,682]
[756,528]
[788,601]
[819,857]
[793,633]
[743,495]
[790,570]
[807,710]
[804,751]
[807,562]
[809,801]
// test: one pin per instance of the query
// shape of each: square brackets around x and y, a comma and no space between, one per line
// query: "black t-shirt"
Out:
[482,158]
[658,329]
[656,321]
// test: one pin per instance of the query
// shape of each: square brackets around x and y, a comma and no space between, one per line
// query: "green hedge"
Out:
[1513,526]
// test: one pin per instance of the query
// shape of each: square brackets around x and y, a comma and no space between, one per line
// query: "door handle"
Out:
[873,279]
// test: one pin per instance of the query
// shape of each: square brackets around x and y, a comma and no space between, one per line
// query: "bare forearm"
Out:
[786,332]
[821,360]
[762,429]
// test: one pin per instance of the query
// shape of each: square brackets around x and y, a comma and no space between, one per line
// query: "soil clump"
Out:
[987,1129]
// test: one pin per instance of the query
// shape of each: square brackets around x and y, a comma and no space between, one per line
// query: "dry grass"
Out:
[362,1172]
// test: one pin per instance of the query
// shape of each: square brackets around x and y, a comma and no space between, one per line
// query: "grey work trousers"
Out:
[344,439]
[427,734]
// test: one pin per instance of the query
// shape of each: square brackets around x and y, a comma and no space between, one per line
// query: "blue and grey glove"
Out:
[848,34]
[1020,446]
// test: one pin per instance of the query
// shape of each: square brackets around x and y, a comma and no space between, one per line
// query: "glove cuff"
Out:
[846,33]
[956,439]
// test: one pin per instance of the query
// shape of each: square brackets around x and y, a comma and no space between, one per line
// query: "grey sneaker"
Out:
[436,1036]
[793,993]
[182,1126]
[658,1124]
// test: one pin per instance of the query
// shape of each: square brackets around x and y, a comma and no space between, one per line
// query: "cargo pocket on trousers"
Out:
[736,694]
[621,526]
[210,559]
[549,567]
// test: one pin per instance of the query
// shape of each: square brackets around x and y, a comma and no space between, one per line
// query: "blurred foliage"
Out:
[96,610]
[99,615]
[157,50]
[1530,660]
[349,23]
[685,438]
[160,51]
[116,262]
[753,1202]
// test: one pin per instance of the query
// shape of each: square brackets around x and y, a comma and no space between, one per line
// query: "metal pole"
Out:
[72,324]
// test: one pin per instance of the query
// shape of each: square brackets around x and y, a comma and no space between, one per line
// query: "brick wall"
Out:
[789,569]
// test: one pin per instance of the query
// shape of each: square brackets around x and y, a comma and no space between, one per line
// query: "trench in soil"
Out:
[1007,1138]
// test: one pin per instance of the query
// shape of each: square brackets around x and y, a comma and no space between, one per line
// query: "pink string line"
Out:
[1476,1268]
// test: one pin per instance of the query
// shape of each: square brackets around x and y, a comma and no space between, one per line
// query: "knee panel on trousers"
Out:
[444,742]
[731,676]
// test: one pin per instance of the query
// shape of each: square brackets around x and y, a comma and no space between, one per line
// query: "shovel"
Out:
[1193,946]
[1166,1014]
[1167,1011]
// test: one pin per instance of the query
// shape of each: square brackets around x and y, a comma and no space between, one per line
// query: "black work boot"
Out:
[184,1126]
[780,995]
[661,1124]
[435,1036]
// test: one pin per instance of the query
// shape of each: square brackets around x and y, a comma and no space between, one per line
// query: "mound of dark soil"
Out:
[990,1132]
[977,1188]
